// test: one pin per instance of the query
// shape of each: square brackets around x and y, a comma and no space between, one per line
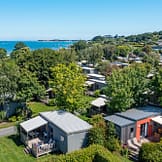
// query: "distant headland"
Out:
[58,40]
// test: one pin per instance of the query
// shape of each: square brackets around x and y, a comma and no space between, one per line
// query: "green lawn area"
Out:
[37,107]
[11,150]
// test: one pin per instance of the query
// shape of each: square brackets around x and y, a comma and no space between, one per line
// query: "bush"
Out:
[113,144]
[2,115]
[151,152]
[93,153]
[12,119]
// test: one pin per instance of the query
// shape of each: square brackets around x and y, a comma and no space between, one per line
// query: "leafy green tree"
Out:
[106,68]
[109,52]
[68,85]
[93,54]
[127,87]
[80,45]
[19,45]
[28,87]
[9,74]
[147,49]
[21,56]
[119,91]
[152,58]
[139,84]
[3,53]
[97,134]
[156,87]
[123,50]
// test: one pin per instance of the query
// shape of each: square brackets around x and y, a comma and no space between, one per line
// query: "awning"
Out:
[33,123]
[157,119]
[99,102]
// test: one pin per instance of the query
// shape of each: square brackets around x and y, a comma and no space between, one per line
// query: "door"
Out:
[144,130]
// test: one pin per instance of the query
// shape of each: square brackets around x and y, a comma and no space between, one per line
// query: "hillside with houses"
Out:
[104,94]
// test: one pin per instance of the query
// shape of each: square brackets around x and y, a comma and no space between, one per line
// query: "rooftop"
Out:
[120,121]
[96,76]
[33,123]
[141,113]
[66,121]
[99,102]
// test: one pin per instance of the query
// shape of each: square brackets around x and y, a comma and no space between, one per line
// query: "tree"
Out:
[68,85]
[119,91]
[9,74]
[156,86]
[128,87]
[97,134]
[3,53]
[19,45]
[93,54]
[80,45]
[152,58]
[123,50]
[106,68]
[28,87]
[109,52]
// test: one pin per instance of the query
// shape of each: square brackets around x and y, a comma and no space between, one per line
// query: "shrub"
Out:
[2,115]
[12,119]
[113,144]
[151,152]
[93,153]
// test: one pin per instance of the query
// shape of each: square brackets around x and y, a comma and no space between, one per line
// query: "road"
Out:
[8,131]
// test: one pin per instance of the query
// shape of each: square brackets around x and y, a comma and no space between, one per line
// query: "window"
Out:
[131,130]
[61,138]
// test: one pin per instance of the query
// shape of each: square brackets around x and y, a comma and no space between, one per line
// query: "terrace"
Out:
[34,134]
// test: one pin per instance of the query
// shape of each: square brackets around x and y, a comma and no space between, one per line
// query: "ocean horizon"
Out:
[34,45]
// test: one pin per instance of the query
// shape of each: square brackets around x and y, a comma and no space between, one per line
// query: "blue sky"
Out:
[77,19]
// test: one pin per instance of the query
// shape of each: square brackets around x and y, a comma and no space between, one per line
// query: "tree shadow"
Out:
[16,139]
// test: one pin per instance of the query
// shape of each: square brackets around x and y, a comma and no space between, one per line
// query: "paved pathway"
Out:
[8,131]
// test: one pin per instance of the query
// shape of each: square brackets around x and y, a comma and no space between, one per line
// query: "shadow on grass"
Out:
[16,139]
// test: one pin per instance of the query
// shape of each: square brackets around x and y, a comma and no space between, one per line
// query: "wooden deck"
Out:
[39,147]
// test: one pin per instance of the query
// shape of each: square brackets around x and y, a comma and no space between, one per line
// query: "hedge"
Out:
[93,153]
[151,152]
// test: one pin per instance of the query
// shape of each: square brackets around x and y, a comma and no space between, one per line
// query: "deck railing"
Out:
[41,149]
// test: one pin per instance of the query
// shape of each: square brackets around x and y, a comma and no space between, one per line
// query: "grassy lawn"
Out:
[11,150]
[37,107]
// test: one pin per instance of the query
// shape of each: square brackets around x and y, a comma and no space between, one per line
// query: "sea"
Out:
[33,45]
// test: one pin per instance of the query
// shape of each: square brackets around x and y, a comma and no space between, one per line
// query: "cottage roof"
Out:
[66,121]
[96,76]
[97,81]
[33,123]
[157,119]
[120,121]
[141,113]
[99,102]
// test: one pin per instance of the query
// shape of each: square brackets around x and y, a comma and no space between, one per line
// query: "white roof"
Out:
[99,102]
[157,119]
[66,121]
[88,82]
[98,81]
[87,68]
[33,123]
[96,75]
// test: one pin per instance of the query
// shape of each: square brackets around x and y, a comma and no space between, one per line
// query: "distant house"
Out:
[88,70]
[95,81]
[96,76]
[54,130]
[137,123]
[98,105]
